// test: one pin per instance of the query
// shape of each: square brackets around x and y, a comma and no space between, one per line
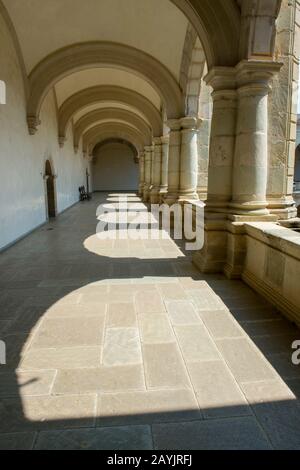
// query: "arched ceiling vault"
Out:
[112,94]
[110,114]
[102,54]
[142,37]
[113,130]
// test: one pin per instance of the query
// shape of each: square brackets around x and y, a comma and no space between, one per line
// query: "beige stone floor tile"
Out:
[17,441]
[118,438]
[182,312]
[242,433]
[101,379]
[156,329]
[97,309]
[147,407]
[195,343]
[277,410]
[217,392]
[283,365]
[167,373]
[244,360]
[61,412]
[62,358]
[221,324]
[26,383]
[121,315]
[188,283]
[64,332]
[149,302]
[121,347]
[172,291]
[206,299]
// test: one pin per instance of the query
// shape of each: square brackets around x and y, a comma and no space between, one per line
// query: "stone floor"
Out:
[123,344]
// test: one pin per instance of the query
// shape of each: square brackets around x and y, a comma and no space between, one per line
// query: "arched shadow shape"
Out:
[51,265]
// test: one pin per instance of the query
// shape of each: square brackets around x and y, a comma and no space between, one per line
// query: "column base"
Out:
[162,194]
[141,190]
[146,194]
[154,195]
[170,198]
[188,196]
[212,258]
[283,207]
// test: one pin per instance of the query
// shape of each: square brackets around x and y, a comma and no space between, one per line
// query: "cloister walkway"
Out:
[123,344]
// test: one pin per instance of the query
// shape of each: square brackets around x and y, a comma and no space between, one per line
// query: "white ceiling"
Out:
[153,26]
[104,76]
[107,104]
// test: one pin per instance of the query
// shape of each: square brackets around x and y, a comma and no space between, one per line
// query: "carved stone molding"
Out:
[77,57]
[112,114]
[103,93]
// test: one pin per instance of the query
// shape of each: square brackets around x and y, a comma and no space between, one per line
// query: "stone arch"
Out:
[113,94]
[112,114]
[233,30]
[78,57]
[18,50]
[119,141]
[193,68]
[217,24]
[113,130]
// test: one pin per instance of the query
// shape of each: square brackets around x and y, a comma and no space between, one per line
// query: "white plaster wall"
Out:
[114,169]
[22,157]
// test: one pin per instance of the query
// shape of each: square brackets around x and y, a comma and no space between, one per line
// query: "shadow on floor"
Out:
[53,264]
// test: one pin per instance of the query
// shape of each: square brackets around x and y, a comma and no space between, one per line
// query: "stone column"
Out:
[222,138]
[174,161]
[156,171]
[189,159]
[148,170]
[250,169]
[164,167]
[212,257]
[142,173]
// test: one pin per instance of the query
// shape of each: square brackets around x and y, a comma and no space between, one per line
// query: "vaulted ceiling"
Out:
[72,46]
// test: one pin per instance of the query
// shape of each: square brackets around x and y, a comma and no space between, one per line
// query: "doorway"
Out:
[51,206]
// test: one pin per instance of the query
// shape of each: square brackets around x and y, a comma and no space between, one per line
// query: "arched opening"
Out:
[115,166]
[50,191]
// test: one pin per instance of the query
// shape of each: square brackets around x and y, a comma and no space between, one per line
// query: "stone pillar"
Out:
[238,170]
[212,257]
[174,161]
[148,170]
[222,138]
[142,173]
[250,169]
[164,167]
[156,171]
[189,159]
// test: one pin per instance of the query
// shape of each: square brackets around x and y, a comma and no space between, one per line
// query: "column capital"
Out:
[244,73]
[221,78]
[157,141]
[258,73]
[165,139]
[174,124]
[190,123]
[149,148]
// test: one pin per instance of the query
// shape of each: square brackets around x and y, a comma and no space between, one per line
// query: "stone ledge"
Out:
[283,239]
